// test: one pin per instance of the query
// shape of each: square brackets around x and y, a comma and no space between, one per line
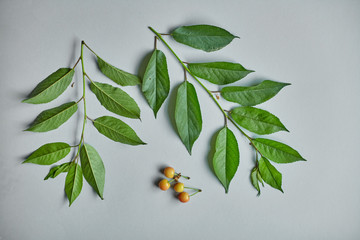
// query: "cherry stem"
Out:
[198,190]
[186,177]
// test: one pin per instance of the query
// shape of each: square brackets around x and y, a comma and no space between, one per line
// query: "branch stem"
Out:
[83,97]
[187,69]
[225,112]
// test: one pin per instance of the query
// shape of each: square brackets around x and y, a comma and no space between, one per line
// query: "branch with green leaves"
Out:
[114,99]
[188,119]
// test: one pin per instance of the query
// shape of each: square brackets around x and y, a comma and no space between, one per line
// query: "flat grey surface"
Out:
[314,45]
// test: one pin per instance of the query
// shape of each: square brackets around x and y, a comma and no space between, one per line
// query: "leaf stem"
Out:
[88,77]
[76,63]
[83,43]
[187,69]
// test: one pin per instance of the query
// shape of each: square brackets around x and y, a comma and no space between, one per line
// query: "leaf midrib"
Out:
[73,182]
[91,168]
[277,149]
[128,111]
[224,69]
[279,187]
[53,83]
[46,120]
[261,121]
[50,153]
[114,130]
[253,89]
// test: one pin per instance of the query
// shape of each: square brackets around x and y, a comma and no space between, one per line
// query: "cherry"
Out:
[179,187]
[164,184]
[169,172]
[184,197]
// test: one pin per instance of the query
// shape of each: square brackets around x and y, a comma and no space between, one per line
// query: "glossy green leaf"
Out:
[257,120]
[115,100]
[219,72]
[254,179]
[73,182]
[55,171]
[188,115]
[269,173]
[204,37]
[117,130]
[251,96]
[277,151]
[53,118]
[117,75]
[156,82]
[93,168]
[49,153]
[51,87]
[226,158]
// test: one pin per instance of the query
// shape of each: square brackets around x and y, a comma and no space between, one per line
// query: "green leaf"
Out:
[219,72]
[51,87]
[204,37]
[269,173]
[93,168]
[53,118]
[277,151]
[251,96]
[73,182]
[188,115]
[226,157]
[117,130]
[254,179]
[115,100]
[117,75]
[156,82]
[49,153]
[55,171]
[260,178]
[257,120]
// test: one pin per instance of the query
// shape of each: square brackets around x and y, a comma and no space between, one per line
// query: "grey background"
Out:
[314,45]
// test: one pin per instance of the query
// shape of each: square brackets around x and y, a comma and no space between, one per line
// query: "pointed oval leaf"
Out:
[73,182]
[55,171]
[49,153]
[226,158]
[257,120]
[117,130]
[51,87]
[156,82]
[204,37]
[117,75]
[53,118]
[251,96]
[219,72]
[115,100]
[254,179]
[93,168]
[269,174]
[276,151]
[188,115]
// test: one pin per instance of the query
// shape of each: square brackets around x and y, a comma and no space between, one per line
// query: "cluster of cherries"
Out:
[178,187]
